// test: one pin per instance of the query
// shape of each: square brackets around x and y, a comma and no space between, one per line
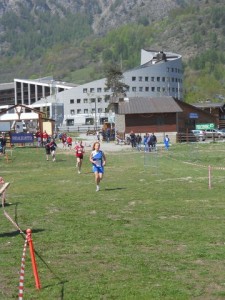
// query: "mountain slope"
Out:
[74,40]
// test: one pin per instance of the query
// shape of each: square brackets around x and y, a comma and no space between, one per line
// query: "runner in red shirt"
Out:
[69,142]
[64,139]
[79,152]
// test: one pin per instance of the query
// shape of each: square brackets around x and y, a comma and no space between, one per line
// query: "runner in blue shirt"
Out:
[98,160]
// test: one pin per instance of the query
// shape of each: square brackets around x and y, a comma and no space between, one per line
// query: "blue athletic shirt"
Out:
[97,157]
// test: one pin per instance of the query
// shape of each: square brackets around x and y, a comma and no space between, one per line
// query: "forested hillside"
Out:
[41,40]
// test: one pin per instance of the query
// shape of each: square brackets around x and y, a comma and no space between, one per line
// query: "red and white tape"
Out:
[22,272]
[203,166]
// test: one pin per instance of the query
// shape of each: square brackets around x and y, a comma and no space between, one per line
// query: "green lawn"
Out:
[154,231]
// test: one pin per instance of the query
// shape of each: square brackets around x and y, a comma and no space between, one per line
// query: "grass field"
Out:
[154,231]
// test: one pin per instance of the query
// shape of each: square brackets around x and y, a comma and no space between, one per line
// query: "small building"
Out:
[25,118]
[159,115]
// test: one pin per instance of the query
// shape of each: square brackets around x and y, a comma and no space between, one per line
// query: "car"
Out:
[214,133]
[200,134]
[222,131]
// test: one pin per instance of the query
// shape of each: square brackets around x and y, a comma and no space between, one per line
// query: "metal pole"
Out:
[95,115]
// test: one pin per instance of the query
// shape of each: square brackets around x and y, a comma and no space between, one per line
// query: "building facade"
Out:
[7,94]
[159,74]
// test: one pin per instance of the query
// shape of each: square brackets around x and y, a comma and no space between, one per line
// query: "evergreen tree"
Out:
[114,77]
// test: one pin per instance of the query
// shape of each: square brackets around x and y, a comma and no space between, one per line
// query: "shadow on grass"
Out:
[60,281]
[17,232]
[115,189]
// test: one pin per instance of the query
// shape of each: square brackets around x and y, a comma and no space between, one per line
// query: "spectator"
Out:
[108,132]
[145,142]
[44,138]
[138,142]
[3,141]
[38,138]
[166,142]
[133,139]
[152,142]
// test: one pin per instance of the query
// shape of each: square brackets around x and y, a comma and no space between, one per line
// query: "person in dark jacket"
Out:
[152,142]
[3,141]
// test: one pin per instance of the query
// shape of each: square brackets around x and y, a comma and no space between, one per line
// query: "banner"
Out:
[22,138]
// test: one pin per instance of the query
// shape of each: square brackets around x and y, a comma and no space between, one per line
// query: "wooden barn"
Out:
[159,114]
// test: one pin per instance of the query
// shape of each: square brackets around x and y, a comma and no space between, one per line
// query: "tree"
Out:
[114,77]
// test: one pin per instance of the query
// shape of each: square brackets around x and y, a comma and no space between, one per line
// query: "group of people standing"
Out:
[149,141]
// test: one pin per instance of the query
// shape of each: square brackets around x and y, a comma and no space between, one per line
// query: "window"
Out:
[85,100]
[140,78]
[163,79]
[146,78]
[93,110]
[99,110]
[78,111]
[71,101]
[72,111]
[99,90]
[158,78]
[133,78]
[168,69]
[172,69]
[92,90]
[89,121]
[158,89]
[99,100]
[70,122]
[152,88]
[92,100]
[152,78]
[140,89]
[86,111]
[146,88]
[78,100]
[133,89]
[84,90]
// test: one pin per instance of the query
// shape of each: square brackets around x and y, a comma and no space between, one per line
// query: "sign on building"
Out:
[205,126]
[193,116]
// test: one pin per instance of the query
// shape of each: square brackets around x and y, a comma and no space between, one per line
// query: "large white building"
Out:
[159,74]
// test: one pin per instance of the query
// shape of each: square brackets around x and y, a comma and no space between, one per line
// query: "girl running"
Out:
[98,160]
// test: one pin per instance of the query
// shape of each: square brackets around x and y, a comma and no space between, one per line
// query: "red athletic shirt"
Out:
[79,150]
